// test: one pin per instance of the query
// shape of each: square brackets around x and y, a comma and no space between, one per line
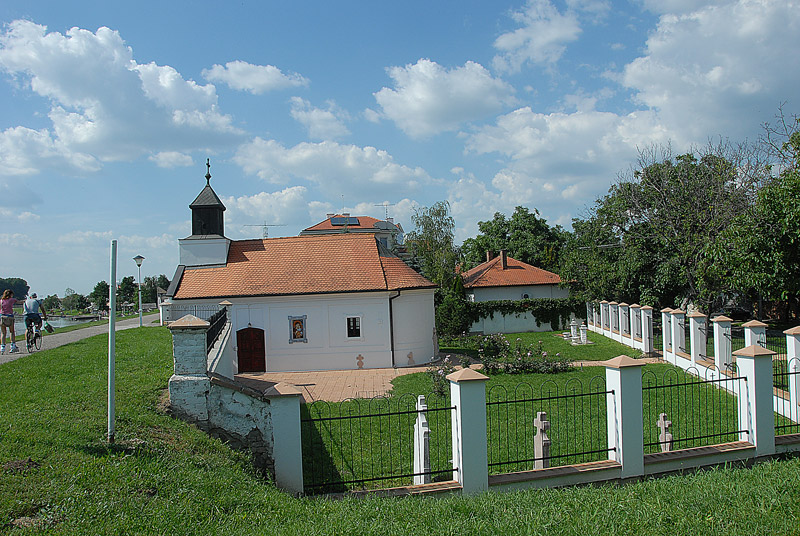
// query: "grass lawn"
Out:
[602,348]
[58,476]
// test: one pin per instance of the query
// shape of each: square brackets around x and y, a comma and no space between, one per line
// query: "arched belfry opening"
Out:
[207,211]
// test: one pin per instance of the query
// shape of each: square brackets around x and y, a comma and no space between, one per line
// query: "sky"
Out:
[109,110]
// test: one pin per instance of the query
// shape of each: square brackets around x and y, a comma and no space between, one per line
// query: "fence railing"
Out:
[217,321]
[569,421]
[176,311]
[694,412]
[787,371]
[369,443]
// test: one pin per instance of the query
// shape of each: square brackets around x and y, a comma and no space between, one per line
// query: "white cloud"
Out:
[333,167]
[14,239]
[321,124]
[287,207]
[85,237]
[256,79]
[103,105]
[718,69]
[541,39]
[428,99]
[171,159]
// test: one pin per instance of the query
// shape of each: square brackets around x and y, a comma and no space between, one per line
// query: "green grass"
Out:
[602,348]
[166,477]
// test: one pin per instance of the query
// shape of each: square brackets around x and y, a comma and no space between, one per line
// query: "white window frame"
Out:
[347,328]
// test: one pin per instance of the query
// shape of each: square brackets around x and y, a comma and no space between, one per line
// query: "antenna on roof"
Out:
[386,206]
[265,227]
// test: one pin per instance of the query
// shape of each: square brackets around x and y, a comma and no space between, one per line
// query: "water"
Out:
[55,321]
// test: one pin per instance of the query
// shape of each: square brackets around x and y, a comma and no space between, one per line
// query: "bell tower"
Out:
[207,245]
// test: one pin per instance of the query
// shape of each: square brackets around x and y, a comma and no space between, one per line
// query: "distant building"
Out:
[387,232]
[505,278]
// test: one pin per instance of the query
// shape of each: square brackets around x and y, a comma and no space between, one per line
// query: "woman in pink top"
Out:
[7,320]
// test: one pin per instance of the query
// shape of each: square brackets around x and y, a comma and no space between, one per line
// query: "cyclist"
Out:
[31,309]
[7,320]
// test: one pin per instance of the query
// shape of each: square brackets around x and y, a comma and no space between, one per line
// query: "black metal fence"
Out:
[701,411]
[577,424]
[787,372]
[737,338]
[658,337]
[176,311]
[217,321]
[369,443]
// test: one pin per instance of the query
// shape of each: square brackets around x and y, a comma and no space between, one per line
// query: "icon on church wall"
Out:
[297,329]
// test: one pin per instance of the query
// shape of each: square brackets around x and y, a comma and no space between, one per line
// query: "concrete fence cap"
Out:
[622,361]
[623,304]
[754,324]
[754,350]
[465,375]
[646,308]
[604,301]
[696,314]
[636,306]
[678,312]
[721,318]
[666,310]
[189,321]
[613,303]
[282,389]
[792,331]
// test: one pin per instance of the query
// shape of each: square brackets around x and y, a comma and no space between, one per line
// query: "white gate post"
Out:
[666,334]
[614,309]
[624,414]
[422,453]
[287,449]
[697,333]
[604,321]
[647,330]
[596,315]
[755,332]
[755,363]
[678,332]
[625,336]
[793,362]
[470,456]
[636,326]
[722,343]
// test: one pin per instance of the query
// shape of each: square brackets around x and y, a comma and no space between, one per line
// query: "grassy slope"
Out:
[178,481]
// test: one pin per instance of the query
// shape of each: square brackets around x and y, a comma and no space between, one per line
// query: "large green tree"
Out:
[17,285]
[99,295]
[525,236]
[431,243]
[51,303]
[126,292]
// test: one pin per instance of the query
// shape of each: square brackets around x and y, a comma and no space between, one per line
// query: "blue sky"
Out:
[109,110]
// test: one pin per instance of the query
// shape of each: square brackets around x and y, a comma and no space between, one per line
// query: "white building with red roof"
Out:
[505,278]
[312,302]
[386,231]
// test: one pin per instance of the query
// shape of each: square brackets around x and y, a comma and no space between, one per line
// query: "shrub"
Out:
[520,358]
[438,374]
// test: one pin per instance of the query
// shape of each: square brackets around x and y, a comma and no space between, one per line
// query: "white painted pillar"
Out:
[697,336]
[614,308]
[470,457]
[647,330]
[598,327]
[287,450]
[189,385]
[604,325]
[678,331]
[624,414]
[793,361]
[666,334]
[636,326]
[589,318]
[722,343]
[756,415]
[755,332]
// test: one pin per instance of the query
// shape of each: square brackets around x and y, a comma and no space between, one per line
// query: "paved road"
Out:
[60,339]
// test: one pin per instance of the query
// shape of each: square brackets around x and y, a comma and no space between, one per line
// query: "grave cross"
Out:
[665,437]
[541,443]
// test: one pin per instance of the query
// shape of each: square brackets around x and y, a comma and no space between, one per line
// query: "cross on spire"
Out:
[208,172]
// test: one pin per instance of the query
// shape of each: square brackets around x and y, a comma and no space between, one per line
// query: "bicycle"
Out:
[33,338]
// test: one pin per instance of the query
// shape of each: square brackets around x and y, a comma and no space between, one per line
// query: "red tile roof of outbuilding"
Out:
[517,273]
[301,265]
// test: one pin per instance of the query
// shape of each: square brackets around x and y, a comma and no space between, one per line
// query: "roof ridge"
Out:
[489,264]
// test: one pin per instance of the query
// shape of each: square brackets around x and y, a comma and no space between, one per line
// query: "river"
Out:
[55,321]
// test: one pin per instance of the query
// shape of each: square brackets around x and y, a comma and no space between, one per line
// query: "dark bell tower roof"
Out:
[207,209]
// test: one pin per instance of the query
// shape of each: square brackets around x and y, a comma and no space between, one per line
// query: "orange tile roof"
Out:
[364,222]
[491,274]
[301,265]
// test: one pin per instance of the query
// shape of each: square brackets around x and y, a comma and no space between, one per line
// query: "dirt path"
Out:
[60,339]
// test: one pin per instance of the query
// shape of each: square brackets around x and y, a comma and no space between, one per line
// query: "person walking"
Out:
[7,303]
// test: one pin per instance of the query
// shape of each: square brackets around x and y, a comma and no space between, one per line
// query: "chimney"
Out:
[346,214]
[503,259]
[330,215]
[489,255]
[390,220]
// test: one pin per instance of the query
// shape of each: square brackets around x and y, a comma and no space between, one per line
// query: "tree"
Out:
[51,302]
[431,243]
[99,295]
[75,301]
[525,236]
[17,285]
[162,282]
[126,292]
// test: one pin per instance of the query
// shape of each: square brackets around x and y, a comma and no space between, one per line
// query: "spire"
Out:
[208,172]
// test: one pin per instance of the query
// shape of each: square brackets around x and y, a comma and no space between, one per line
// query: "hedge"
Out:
[556,311]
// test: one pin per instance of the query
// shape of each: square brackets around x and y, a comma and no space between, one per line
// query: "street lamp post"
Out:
[138,259]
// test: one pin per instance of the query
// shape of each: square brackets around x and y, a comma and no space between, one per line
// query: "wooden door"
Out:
[251,351]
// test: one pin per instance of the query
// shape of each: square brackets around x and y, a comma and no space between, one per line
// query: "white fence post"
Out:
[597,325]
[793,362]
[697,334]
[422,453]
[605,324]
[470,456]
[647,330]
[189,385]
[666,335]
[722,343]
[756,415]
[614,313]
[624,414]
[755,332]
[287,450]
[636,326]
[625,323]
